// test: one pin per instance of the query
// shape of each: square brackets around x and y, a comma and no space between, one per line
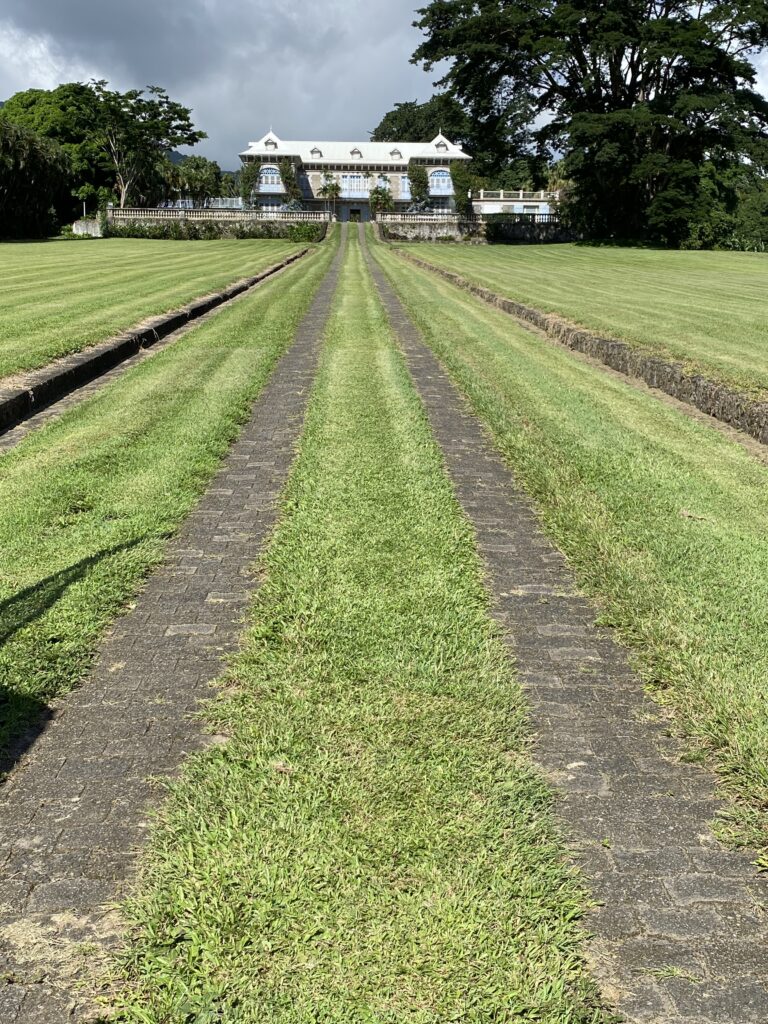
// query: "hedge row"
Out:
[184,230]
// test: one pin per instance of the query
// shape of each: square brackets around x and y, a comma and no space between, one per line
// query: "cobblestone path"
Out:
[72,815]
[680,935]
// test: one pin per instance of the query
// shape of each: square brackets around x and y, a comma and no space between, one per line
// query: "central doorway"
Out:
[355,215]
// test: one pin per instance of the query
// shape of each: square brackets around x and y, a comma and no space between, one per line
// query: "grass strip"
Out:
[59,297]
[87,501]
[706,310]
[664,520]
[372,845]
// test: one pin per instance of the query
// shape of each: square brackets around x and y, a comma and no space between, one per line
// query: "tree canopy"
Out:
[65,115]
[639,95]
[499,144]
[198,178]
[33,175]
[110,139]
[135,131]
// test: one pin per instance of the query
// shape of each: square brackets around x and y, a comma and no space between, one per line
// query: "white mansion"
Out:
[358,167]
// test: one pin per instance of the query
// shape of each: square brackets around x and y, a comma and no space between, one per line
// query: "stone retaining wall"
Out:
[724,403]
[87,226]
[50,383]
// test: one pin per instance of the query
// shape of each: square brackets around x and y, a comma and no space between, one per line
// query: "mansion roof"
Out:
[397,154]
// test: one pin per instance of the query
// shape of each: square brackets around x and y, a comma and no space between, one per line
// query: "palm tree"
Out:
[330,190]
[380,199]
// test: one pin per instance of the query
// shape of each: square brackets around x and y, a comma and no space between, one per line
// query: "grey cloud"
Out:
[328,69]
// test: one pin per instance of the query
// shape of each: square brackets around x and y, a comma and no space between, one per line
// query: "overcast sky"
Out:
[328,69]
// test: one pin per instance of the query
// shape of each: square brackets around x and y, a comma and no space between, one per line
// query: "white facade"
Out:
[488,201]
[357,166]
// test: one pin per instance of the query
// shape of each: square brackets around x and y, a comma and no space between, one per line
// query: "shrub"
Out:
[208,230]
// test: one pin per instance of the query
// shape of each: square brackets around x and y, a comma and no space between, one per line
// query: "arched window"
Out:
[440,183]
[269,175]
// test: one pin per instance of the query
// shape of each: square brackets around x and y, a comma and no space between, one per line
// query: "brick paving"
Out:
[72,815]
[680,936]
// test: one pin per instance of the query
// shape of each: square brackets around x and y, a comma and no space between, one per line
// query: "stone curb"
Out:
[49,384]
[732,407]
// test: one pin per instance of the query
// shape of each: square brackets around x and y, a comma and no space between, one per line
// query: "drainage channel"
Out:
[46,393]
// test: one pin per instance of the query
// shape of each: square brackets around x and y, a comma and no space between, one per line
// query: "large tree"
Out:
[136,130]
[498,141]
[638,94]
[66,116]
[199,178]
[34,173]
[420,122]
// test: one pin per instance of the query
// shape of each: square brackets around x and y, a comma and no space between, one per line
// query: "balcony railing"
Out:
[509,195]
[271,189]
[441,190]
[152,213]
[355,193]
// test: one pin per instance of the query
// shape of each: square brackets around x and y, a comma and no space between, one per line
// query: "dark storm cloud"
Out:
[328,69]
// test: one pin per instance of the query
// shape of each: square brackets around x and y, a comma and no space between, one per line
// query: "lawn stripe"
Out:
[63,297]
[704,309]
[710,396]
[74,811]
[38,398]
[371,846]
[676,904]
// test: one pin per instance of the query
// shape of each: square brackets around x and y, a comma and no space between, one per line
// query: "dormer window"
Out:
[270,144]
[396,154]
[441,147]
[356,153]
[317,153]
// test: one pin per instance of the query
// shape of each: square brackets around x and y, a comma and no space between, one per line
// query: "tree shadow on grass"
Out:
[23,717]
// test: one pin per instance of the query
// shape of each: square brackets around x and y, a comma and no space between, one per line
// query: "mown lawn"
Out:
[708,310]
[87,502]
[372,845]
[59,297]
[664,519]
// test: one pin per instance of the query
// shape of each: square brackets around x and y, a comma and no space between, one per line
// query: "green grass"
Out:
[708,310]
[87,501]
[60,297]
[664,519]
[371,846]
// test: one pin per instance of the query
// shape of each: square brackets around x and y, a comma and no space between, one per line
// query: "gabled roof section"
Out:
[441,144]
[392,154]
